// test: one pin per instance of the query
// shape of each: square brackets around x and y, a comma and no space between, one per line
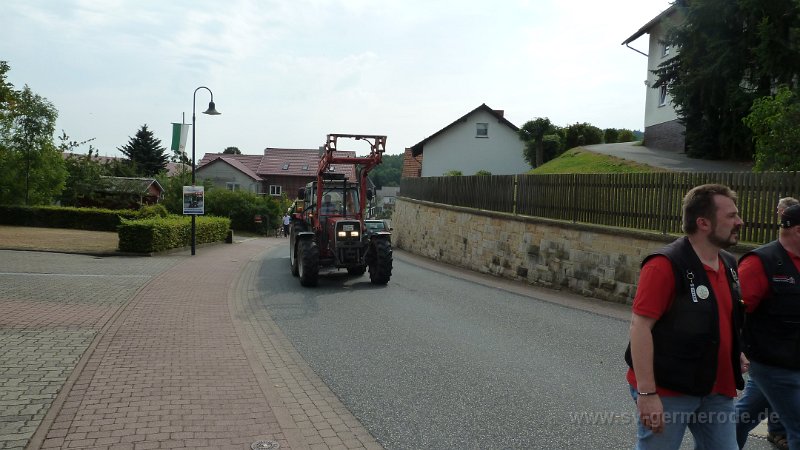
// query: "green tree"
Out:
[83,173]
[580,134]
[232,151]
[610,135]
[31,168]
[453,173]
[388,172]
[483,173]
[731,52]
[532,134]
[774,122]
[146,154]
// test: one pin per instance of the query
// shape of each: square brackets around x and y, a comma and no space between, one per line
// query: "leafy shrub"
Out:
[453,173]
[153,211]
[610,135]
[773,121]
[95,219]
[241,207]
[626,135]
[157,234]
[483,173]
[582,134]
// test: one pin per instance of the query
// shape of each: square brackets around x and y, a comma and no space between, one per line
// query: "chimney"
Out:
[499,112]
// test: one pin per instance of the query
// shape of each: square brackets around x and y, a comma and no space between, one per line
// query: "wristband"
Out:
[648,393]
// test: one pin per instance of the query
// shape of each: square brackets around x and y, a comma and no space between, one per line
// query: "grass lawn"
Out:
[580,160]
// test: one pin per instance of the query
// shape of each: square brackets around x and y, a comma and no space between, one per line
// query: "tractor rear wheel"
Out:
[308,262]
[380,266]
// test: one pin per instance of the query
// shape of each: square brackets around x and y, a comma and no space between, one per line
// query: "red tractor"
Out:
[327,228]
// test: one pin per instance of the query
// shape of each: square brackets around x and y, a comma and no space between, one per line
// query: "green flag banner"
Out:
[179,132]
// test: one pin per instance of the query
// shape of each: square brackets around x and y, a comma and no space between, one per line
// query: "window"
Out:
[274,189]
[232,186]
[482,130]
[665,50]
[286,166]
[662,96]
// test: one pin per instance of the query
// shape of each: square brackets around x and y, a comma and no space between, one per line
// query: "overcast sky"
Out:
[285,73]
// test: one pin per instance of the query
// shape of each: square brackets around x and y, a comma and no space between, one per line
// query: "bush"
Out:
[157,234]
[610,135]
[95,219]
[148,211]
[241,208]
[773,121]
[626,135]
[582,134]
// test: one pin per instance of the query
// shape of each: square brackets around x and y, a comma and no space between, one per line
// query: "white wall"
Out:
[220,174]
[458,149]
[655,114]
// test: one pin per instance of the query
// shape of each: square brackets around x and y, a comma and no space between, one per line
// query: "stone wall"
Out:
[665,136]
[595,261]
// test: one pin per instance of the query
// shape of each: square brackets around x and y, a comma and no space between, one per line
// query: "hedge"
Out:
[158,234]
[94,219]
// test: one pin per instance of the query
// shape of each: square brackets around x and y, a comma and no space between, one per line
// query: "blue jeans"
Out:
[781,387]
[710,419]
[751,408]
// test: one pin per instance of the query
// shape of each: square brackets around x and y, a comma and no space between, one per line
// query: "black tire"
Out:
[357,271]
[293,257]
[380,266]
[308,262]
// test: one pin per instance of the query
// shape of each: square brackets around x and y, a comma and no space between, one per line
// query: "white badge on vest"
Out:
[702,292]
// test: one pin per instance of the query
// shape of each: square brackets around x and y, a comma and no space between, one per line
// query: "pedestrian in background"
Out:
[684,356]
[286,221]
[771,293]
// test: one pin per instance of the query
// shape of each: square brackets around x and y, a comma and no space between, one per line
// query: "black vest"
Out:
[772,331]
[686,337]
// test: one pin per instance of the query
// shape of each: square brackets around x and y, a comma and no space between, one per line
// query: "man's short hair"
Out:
[699,202]
[786,202]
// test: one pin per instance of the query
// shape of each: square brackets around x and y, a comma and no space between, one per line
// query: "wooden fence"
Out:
[645,201]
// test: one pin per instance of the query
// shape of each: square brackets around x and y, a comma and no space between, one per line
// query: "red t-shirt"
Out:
[653,298]
[755,286]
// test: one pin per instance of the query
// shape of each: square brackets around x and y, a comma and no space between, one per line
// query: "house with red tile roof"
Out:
[277,171]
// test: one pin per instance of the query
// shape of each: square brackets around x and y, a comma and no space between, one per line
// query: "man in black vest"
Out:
[771,293]
[684,356]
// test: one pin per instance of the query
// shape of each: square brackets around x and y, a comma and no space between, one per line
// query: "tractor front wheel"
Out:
[380,266]
[308,262]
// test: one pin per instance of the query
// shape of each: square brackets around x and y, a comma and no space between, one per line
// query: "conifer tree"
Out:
[145,153]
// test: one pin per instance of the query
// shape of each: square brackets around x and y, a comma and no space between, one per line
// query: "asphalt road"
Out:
[433,361]
[672,161]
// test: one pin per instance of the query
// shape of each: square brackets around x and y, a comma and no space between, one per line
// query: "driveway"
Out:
[672,161]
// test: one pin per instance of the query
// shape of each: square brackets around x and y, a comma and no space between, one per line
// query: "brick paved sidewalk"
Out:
[189,363]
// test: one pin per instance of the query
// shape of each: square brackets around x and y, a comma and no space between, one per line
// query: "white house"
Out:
[661,127]
[480,140]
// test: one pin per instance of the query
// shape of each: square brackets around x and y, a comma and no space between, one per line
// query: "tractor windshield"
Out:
[339,202]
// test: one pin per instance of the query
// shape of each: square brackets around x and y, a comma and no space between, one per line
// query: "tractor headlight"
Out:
[354,234]
[342,234]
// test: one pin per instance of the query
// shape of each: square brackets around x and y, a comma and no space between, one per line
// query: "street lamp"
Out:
[210,111]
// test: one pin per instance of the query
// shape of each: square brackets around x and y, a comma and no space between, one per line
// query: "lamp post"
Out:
[210,111]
